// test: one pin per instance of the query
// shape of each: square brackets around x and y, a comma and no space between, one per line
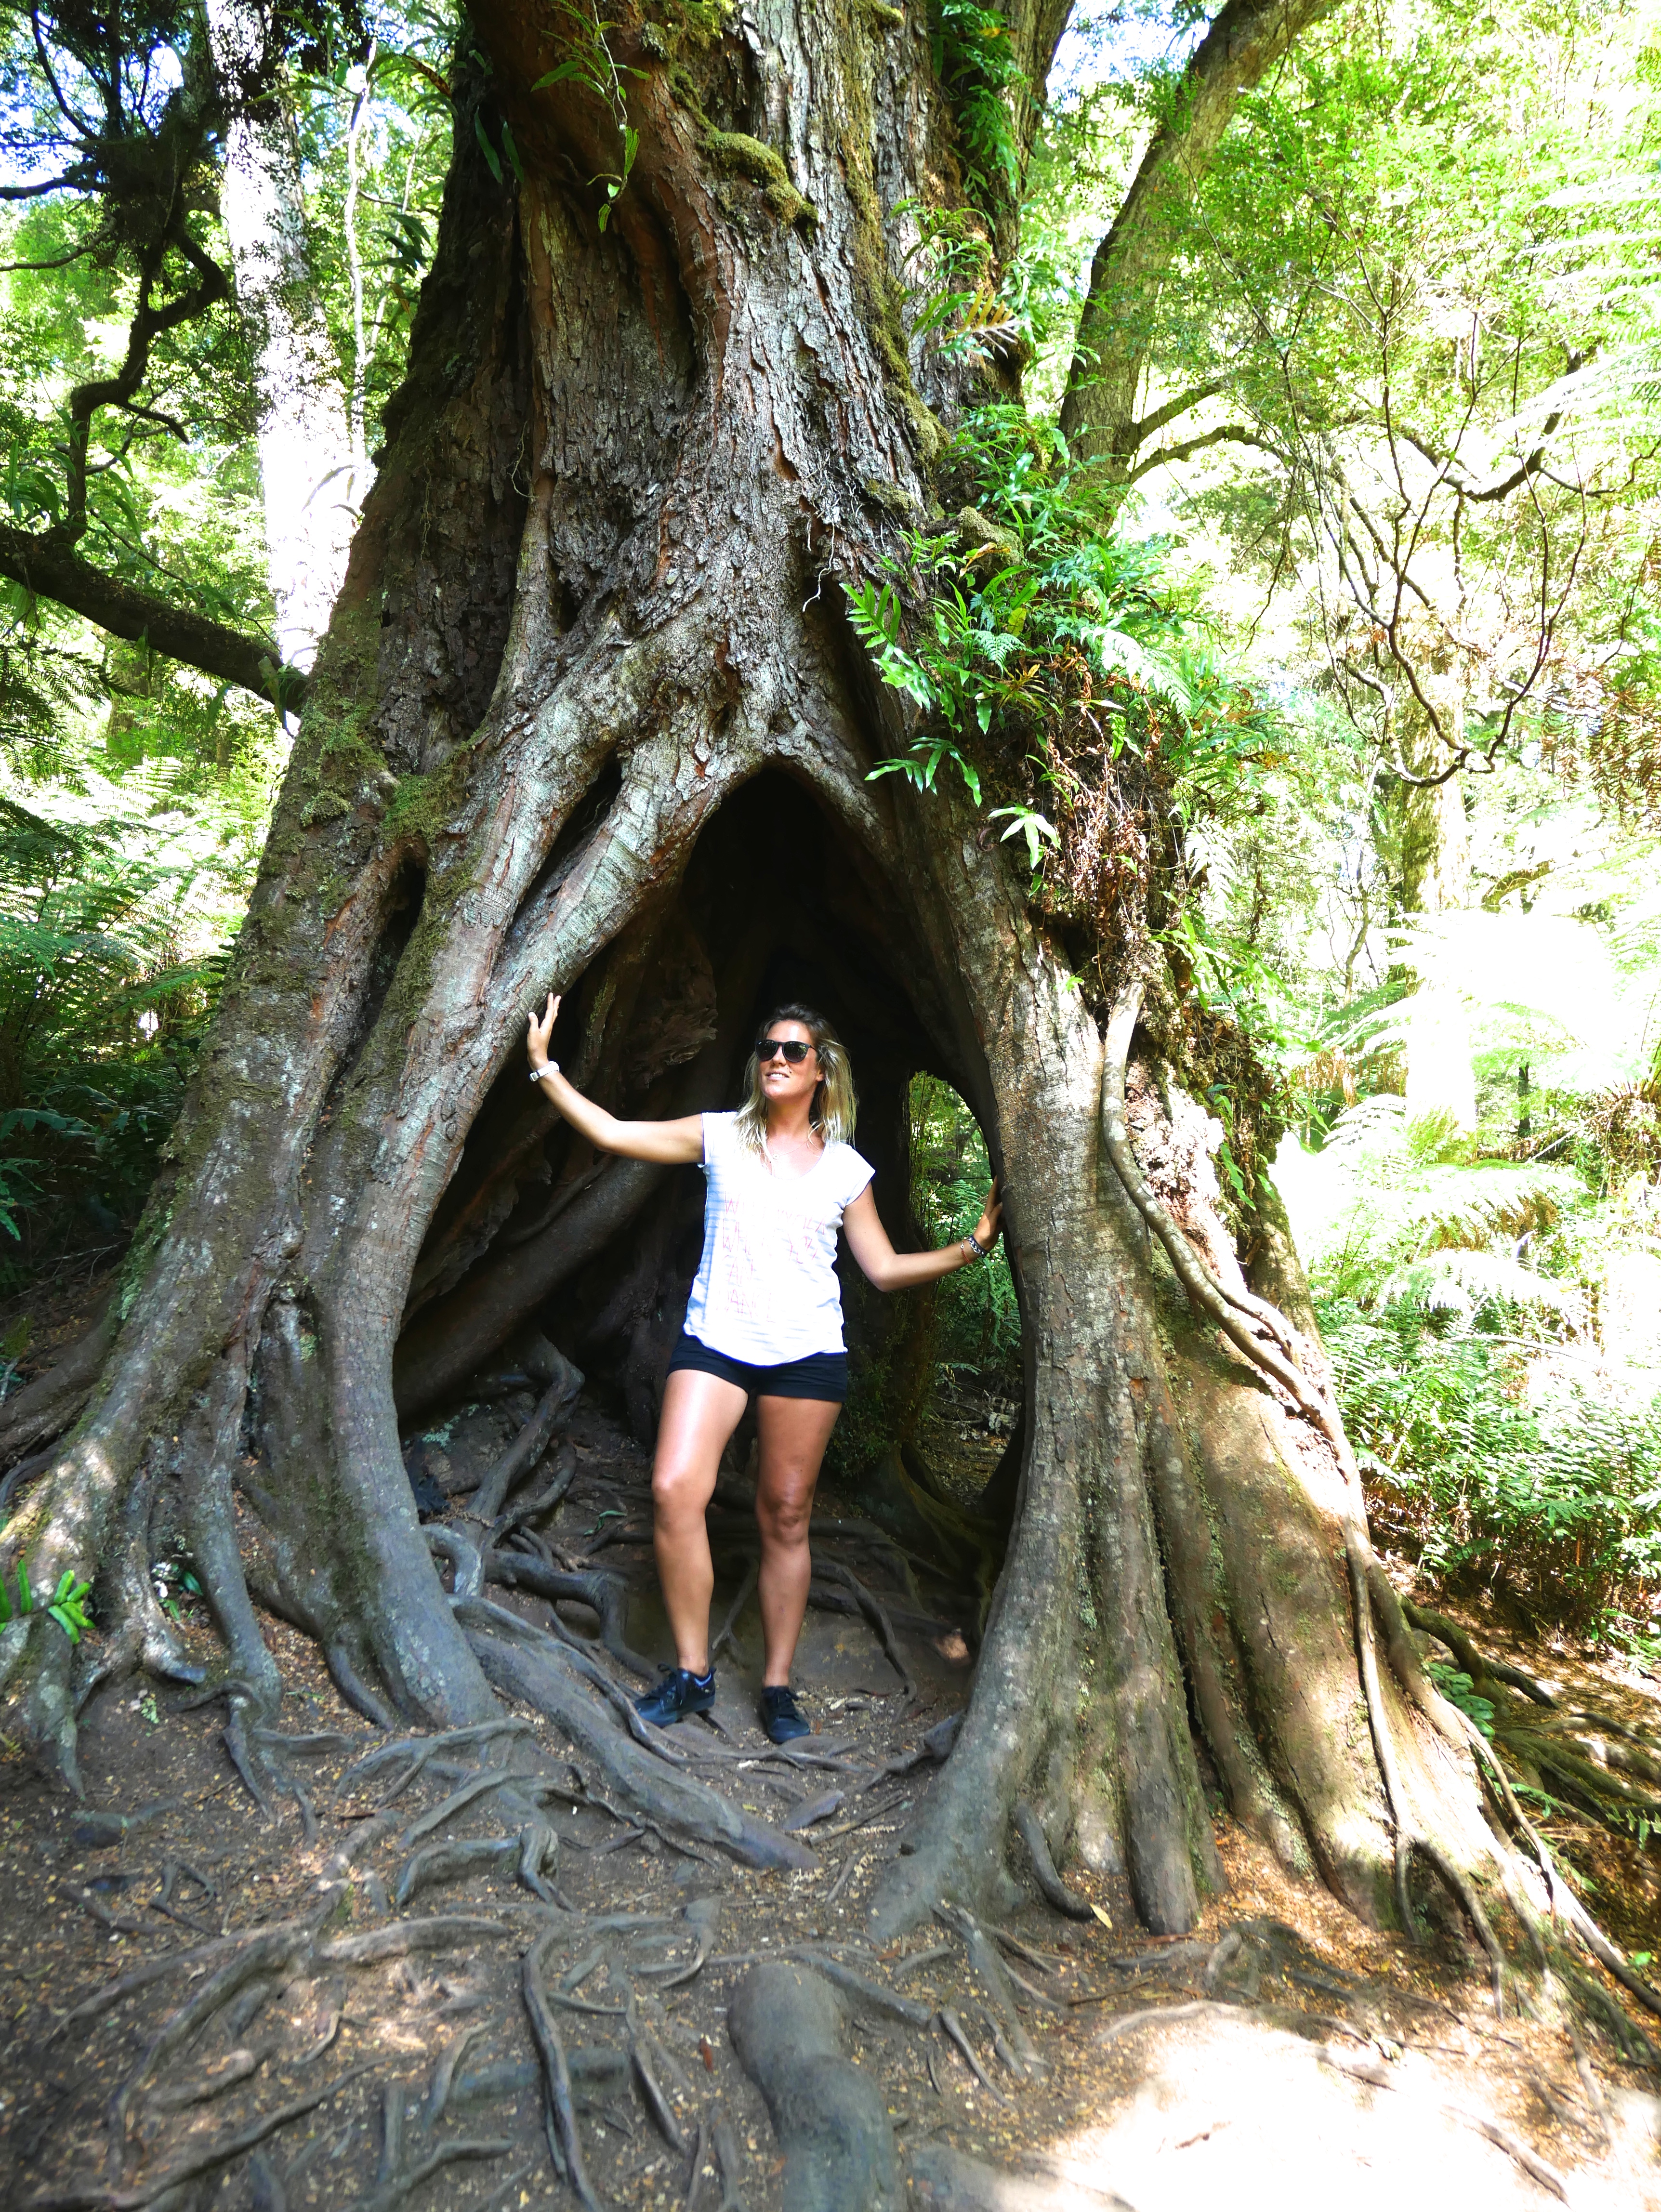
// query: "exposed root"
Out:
[919,1960]
[703,1917]
[1151,2016]
[645,2059]
[93,2197]
[1595,1762]
[946,2180]
[1030,1831]
[1473,1662]
[444,2073]
[953,2027]
[727,2157]
[138,1633]
[829,2116]
[553,1410]
[562,2137]
[1046,1999]
[448,1861]
[542,1501]
[99,1829]
[934,1749]
[155,1970]
[272,1951]
[868,1993]
[269,2194]
[418,1750]
[342,1663]
[236,2066]
[467,1566]
[547,1676]
[1371,2069]
[475,1614]
[990,1970]
[874,1612]
[1273,1346]
[458,1801]
[608,1595]
[372,1945]
[393,2188]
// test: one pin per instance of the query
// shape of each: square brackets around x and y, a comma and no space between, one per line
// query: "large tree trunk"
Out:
[587,717]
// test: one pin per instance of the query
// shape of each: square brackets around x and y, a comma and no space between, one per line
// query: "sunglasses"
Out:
[793,1048]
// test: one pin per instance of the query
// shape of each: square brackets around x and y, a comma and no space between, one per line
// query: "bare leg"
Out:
[793,1435]
[700,1412]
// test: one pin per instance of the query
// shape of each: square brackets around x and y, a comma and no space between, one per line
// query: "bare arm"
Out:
[889,1270]
[672,1143]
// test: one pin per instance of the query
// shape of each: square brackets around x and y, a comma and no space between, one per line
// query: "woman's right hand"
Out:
[538,1032]
[669,1144]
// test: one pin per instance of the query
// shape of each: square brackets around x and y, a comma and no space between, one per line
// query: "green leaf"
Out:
[511,151]
[492,159]
[562,74]
[24,1597]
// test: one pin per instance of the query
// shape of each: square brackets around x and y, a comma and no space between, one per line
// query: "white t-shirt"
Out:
[766,1289]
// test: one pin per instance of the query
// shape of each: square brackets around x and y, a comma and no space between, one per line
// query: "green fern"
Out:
[1459,1690]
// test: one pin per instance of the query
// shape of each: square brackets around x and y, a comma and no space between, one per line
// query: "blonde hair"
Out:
[834,1108]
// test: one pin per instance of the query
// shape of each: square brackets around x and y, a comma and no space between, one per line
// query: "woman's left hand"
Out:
[991,1221]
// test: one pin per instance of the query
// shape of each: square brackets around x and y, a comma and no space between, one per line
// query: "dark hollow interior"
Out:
[777,903]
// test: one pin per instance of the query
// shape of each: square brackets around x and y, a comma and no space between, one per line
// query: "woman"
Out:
[763,1320]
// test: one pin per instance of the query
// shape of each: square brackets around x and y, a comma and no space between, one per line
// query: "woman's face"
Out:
[781,1082]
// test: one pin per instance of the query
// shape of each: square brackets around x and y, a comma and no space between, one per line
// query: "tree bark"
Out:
[588,717]
[1119,327]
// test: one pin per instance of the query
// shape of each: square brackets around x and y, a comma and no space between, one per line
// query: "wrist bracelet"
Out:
[973,1250]
[548,1067]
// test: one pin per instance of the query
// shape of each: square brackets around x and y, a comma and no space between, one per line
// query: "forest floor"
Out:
[219,2004]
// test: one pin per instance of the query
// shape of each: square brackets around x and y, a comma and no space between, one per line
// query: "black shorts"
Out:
[822,1375]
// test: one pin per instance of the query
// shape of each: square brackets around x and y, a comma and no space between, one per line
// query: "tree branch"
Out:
[1115,332]
[1230,434]
[54,571]
[1141,431]
[1480,494]
[74,180]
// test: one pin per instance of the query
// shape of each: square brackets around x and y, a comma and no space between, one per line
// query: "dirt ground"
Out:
[222,2005]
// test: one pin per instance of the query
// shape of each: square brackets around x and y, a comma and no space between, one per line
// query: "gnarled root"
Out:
[603,1593]
[1030,1831]
[786,2026]
[543,1676]
[1269,1343]
[553,1411]
[564,2141]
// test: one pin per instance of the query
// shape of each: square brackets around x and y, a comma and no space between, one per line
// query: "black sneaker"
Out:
[678,1694]
[781,1716]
